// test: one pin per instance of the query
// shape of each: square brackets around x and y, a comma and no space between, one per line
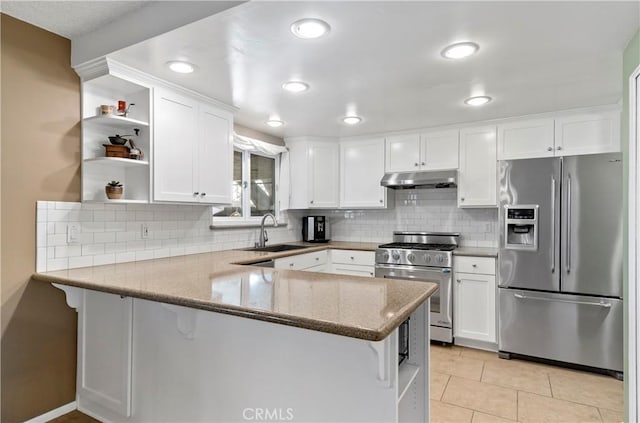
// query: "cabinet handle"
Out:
[549,148]
[311,202]
[351,258]
[422,163]
[317,258]
[290,264]
[474,265]
[416,164]
[196,193]
[381,201]
[203,194]
[458,280]
[559,147]
[462,199]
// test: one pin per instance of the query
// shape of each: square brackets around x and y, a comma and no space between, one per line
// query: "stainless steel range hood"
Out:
[426,179]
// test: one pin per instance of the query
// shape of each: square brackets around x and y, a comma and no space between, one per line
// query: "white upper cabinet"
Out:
[588,133]
[402,153]
[314,173]
[565,135]
[478,166]
[526,139]
[427,151]
[439,150]
[215,156]
[361,168]
[192,150]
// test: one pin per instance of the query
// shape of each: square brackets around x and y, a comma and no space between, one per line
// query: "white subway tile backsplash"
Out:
[111,233]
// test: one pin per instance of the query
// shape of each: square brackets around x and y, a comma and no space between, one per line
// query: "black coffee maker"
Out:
[315,229]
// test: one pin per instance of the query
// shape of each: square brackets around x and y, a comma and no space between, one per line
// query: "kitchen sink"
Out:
[277,248]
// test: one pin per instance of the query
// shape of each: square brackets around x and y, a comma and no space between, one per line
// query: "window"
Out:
[254,187]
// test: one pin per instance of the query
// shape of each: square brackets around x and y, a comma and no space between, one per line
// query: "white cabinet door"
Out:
[474,316]
[323,174]
[526,139]
[215,157]
[361,168]
[299,178]
[477,177]
[104,355]
[402,153]
[588,133]
[175,146]
[439,150]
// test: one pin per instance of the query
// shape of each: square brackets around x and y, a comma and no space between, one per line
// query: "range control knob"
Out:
[411,257]
[440,259]
[385,256]
[427,258]
[396,256]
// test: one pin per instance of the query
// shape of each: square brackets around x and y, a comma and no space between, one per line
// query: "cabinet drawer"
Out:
[302,261]
[362,258]
[353,270]
[479,265]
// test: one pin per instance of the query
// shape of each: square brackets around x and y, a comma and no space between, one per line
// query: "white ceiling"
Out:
[70,18]
[382,61]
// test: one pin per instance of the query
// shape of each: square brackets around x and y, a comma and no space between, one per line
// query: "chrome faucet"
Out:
[263,232]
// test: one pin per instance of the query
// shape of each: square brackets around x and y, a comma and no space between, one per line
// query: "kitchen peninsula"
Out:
[206,337]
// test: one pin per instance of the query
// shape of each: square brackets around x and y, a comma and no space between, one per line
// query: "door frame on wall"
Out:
[633,298]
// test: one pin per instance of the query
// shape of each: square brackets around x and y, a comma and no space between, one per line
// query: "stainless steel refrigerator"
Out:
[560,261]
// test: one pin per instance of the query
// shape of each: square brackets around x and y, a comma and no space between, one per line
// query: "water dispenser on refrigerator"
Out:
[521,227]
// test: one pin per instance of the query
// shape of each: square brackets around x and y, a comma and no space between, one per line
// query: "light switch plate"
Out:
[73,233]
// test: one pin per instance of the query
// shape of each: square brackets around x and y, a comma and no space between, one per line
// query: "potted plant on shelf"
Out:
[114,190]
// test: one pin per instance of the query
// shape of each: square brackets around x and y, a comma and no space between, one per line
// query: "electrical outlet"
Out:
[145,231]
[73,233]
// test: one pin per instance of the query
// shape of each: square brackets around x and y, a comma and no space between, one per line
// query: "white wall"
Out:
[433,210]
[111,233]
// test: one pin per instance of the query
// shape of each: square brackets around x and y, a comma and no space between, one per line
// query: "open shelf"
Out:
[117,161]
[120,201]
[115,121]
[406,375]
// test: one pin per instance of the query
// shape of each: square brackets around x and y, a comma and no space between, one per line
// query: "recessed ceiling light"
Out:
[181,67]
[478,100]
[460,50]
[352,120]
[274,123]
[295,86]
[310,28]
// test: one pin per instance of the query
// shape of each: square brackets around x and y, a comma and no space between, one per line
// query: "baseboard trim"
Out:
[50,415]
[483,345]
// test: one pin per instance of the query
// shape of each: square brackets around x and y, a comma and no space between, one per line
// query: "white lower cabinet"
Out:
[310,261]
[105,323]
[352,262]
[474,300]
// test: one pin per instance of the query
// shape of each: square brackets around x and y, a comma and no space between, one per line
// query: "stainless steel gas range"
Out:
[423,256]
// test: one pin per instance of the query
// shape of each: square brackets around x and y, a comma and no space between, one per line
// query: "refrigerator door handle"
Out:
[557,300]
[553,225]
[568,223]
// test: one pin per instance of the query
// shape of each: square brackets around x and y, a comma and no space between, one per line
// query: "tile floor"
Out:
[473,386]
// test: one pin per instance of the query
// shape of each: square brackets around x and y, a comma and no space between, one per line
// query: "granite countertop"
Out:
[476,251]
[357,307]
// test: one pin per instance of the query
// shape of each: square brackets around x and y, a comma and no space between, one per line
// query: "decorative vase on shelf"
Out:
[114,190]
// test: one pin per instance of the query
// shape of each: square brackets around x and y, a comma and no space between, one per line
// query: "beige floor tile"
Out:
[441,413]
[611,416]
[479,417]
[484,397]
[448,351]
[516,376]
[479,354]
[587,388]
[469,368]
[437,384]
[536,409]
